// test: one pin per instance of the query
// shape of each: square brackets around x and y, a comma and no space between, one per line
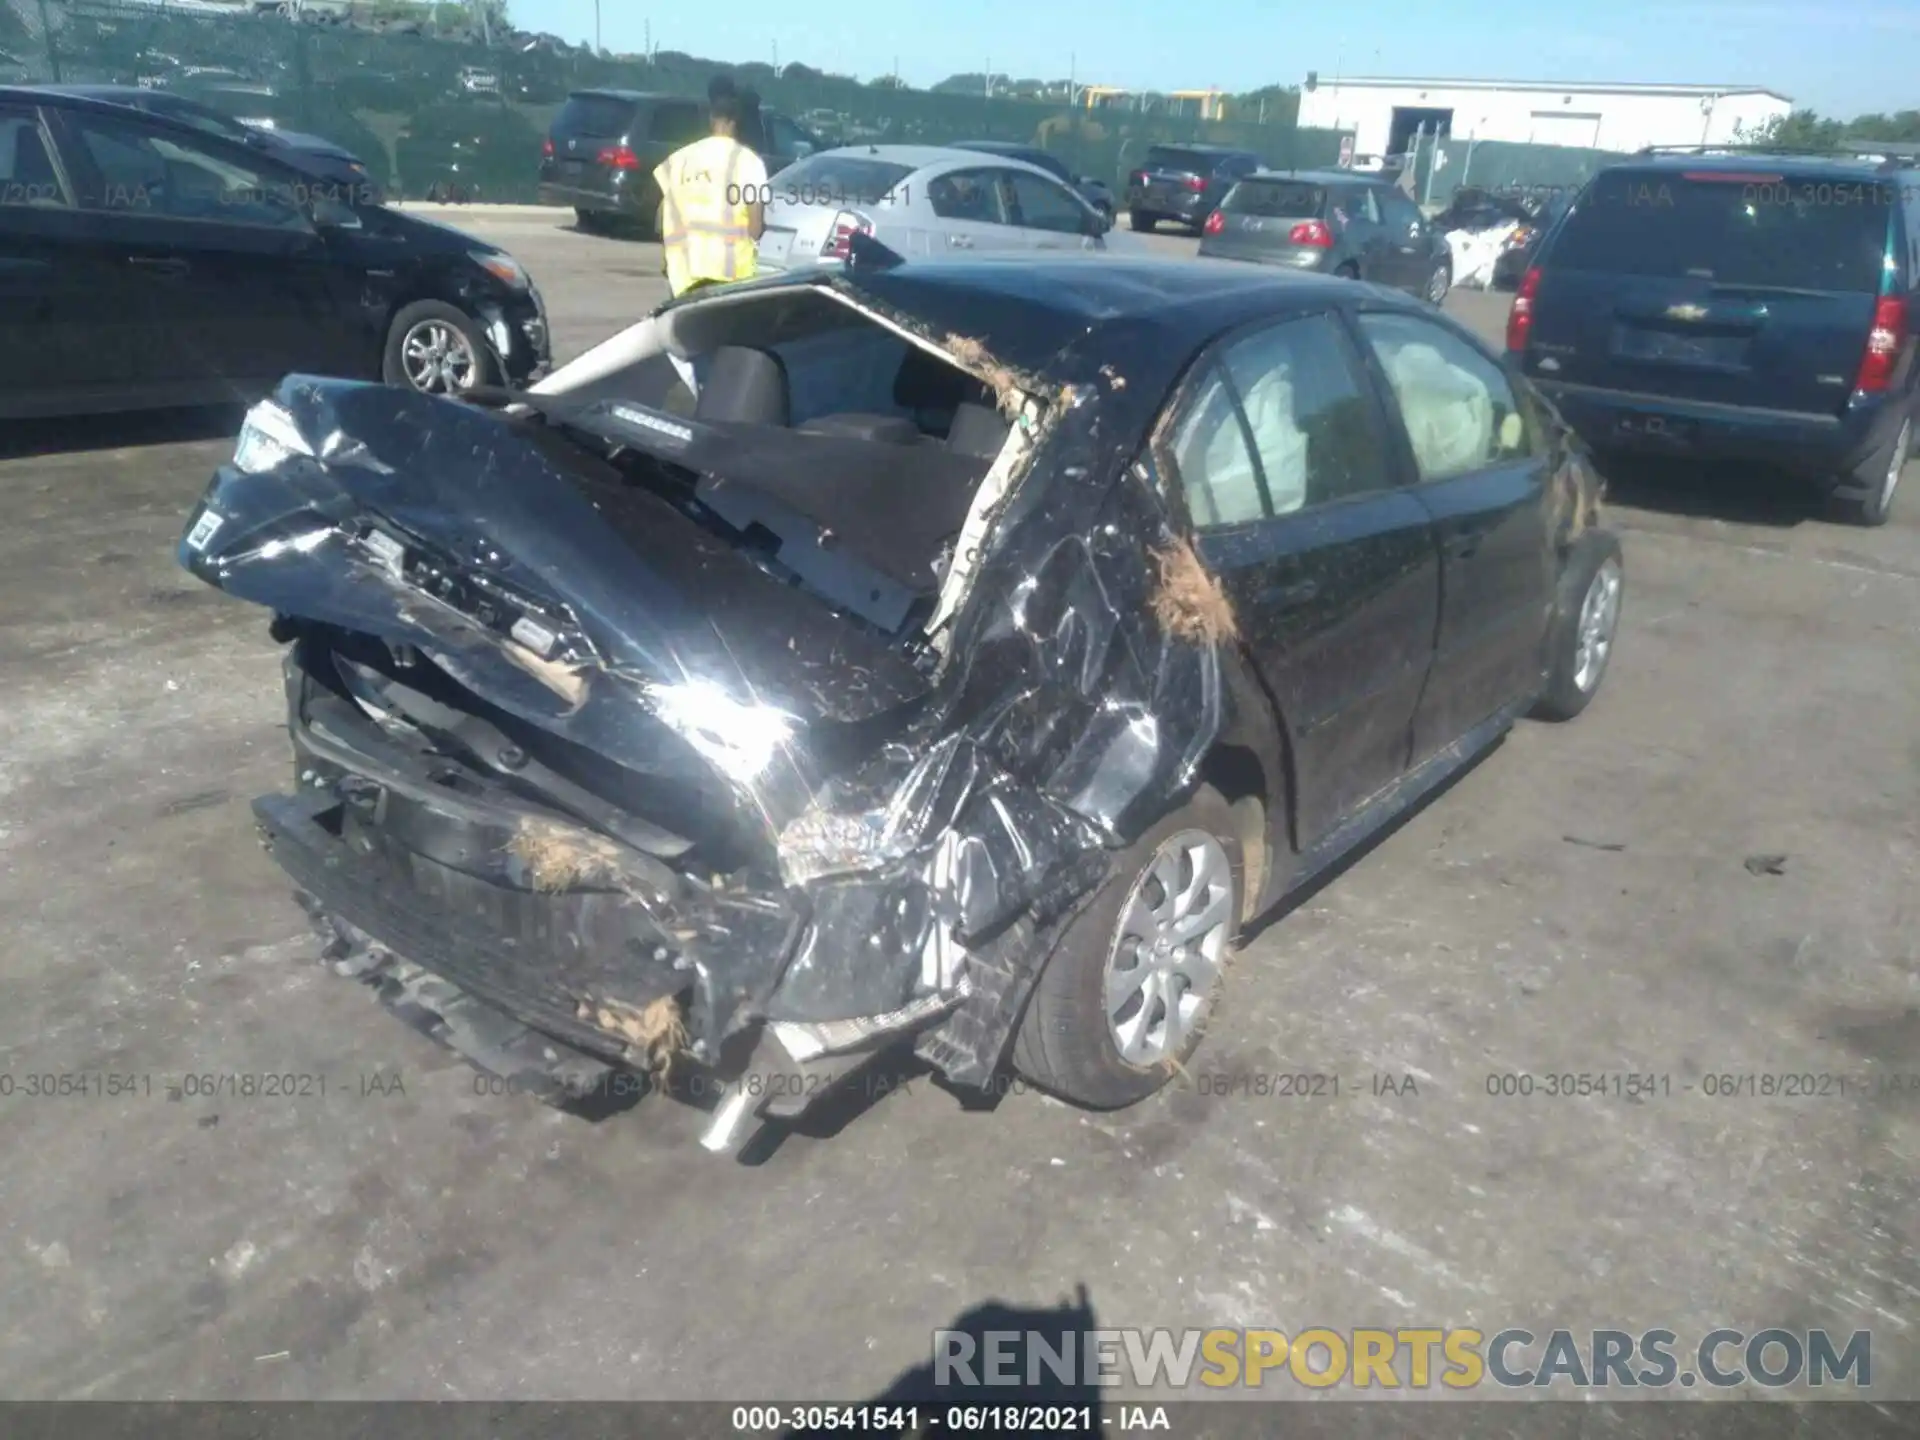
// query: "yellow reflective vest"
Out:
[705,212]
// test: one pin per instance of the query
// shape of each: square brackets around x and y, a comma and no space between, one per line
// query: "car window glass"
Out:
[1215,466]
[26,172]
[676,124]
[1311,425]
[204,121]
[1458,408]
[968,195]
[1043,204]
[145,173]
[1399,212]
[1368,205]
[783,135]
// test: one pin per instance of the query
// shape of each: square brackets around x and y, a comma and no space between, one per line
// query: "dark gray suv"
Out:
[1333,221]
[1184,183]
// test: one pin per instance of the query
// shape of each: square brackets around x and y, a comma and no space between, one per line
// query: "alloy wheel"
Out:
[1168,948]
[1599,615]
[1437,287]
[438,358]
[1902,448]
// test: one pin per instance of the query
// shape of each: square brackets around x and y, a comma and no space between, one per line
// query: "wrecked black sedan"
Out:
[954,654]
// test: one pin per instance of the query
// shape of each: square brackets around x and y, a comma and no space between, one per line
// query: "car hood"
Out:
[313,146]
[634,607]
[435,237]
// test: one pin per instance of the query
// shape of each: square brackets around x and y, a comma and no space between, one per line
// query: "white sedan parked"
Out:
[919,200]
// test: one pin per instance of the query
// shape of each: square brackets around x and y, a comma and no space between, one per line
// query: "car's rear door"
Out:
[1404,250]
[71,331]
[1304,511]
[973,211]
[240,285]
[1723,287]
[1483,470]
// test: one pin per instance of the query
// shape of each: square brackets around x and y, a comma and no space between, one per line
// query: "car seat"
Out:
[744,386]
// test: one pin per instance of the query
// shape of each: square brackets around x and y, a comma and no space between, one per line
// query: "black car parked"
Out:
[817,707]
[1090,189]
[601,151]
[1741,305]
[342,173]
[1184,183]
[147,263]
[1333,221]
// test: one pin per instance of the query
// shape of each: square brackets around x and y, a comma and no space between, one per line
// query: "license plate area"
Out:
[572,167]
[775,245]
[1659,429]
[1669,347]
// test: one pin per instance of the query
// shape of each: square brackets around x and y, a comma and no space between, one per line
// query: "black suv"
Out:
[1750,305]
[1335,222]
[600,155]
[1184,183]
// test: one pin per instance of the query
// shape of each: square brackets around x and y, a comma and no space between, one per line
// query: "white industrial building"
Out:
[1385,114]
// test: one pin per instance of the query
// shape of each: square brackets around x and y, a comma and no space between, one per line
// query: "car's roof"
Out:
[1063,315]
[917,157]
[997,147]
[1200,146]
[1794,162]
[1318,177]
[633,96]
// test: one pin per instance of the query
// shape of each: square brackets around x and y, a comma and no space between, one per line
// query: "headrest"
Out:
[743,385]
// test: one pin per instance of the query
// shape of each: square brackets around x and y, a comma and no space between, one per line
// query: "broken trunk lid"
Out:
[659,598]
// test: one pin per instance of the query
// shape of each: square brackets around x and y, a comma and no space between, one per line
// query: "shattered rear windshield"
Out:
[1278,199]
[1738,230]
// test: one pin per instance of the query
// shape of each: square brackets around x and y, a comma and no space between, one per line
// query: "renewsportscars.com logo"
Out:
[1403,1359]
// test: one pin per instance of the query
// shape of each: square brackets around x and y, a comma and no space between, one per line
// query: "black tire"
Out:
[1568,692]
[1441,281]
[393,368]
[1877,479]
[1065,1044]
[587,222]
[1347,270]
[1143,222]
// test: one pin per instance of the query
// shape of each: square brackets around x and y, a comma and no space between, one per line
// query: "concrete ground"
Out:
[1577,903]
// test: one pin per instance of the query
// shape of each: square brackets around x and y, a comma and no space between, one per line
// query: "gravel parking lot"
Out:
[1578,903]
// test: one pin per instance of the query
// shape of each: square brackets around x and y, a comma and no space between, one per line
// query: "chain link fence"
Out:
[424,105]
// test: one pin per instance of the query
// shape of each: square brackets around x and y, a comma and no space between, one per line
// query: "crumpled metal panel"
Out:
[938,834]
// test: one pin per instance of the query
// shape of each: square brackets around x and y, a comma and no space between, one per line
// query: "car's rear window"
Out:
[1170,157]
[1816,234]
[678,122]
[593,115]
[856,178]
[1278,199]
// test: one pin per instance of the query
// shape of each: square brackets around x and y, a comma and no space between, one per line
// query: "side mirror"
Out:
[802,149]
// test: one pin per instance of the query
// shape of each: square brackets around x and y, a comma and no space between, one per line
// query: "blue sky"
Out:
[1835,60]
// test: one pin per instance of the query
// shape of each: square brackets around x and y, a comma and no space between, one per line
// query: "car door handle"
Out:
[960,242]
[168,265]
[1291,592]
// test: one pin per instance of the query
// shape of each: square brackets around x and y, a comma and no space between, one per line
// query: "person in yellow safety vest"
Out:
[712,205]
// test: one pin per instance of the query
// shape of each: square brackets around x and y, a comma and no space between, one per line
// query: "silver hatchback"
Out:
[920,200]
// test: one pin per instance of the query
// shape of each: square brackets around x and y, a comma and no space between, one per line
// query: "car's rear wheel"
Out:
[587,222]
[1142,221]
[437,349]
[1877,479]
[1586,619]
[1129,989]
[1439,283]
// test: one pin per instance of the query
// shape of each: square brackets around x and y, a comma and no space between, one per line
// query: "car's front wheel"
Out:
[1142,221]
[1135,976]
[1439,283]
[1586,619]
[437,349]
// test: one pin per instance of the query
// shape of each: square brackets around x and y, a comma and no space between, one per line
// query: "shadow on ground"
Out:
[22,439]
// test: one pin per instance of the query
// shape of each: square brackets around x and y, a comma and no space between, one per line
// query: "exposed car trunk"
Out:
[1715,288]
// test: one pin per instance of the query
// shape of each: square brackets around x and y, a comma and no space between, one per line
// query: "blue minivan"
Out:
[1752,305]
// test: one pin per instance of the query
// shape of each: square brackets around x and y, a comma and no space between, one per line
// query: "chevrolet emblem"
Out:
[1686,312]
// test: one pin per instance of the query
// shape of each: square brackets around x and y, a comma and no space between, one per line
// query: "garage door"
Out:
[1559,128]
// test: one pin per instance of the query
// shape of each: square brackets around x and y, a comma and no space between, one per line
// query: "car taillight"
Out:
[1196,184]
[1883,345]
[620,157]
[546,147]
[1311,232]
[1520,318]
[839,242]
[1216,222]
[1139,177]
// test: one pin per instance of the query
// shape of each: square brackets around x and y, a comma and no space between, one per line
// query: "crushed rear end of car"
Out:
[615,753]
